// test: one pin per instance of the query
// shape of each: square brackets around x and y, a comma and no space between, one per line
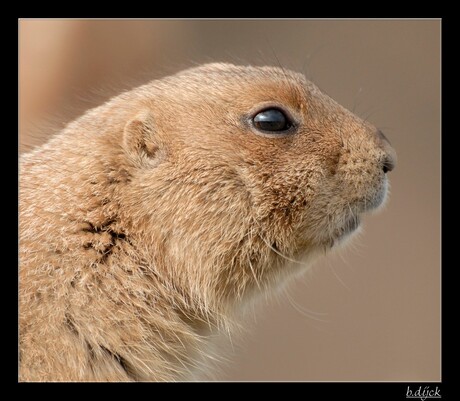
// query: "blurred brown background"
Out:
[369,313]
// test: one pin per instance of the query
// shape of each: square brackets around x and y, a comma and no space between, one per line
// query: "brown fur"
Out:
[146,224]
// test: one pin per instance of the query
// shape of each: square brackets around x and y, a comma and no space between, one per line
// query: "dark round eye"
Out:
[271,120]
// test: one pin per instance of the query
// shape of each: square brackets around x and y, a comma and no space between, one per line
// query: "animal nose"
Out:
[389,159]
[388,165]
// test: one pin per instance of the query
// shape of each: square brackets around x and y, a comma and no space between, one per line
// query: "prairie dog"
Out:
[147,224]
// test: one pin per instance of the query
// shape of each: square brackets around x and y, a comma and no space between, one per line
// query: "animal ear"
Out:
[139,136]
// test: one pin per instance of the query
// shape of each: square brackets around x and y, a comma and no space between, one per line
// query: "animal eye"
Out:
[273,120]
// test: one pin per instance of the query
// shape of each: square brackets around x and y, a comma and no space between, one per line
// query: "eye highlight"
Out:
[272,120]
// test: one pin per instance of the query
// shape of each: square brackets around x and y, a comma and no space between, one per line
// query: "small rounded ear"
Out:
[139,136]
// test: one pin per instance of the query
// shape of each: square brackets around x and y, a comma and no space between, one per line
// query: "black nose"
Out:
[389,159]
[388,164]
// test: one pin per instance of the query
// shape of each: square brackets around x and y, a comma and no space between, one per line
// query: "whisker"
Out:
[254,274]
[307,314]
[329,265]
[280,254]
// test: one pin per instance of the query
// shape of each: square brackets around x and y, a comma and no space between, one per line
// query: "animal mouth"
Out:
[350,225]
[353,221]
[378,199]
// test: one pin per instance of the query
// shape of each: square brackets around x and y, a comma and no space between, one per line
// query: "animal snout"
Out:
[389,158]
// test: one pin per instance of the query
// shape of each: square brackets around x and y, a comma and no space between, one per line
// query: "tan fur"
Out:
[146,224]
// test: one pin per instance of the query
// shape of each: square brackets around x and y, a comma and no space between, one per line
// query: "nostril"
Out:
[388,165]
[389,155]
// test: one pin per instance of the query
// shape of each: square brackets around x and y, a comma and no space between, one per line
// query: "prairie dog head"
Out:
[232,167]
[212,178]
